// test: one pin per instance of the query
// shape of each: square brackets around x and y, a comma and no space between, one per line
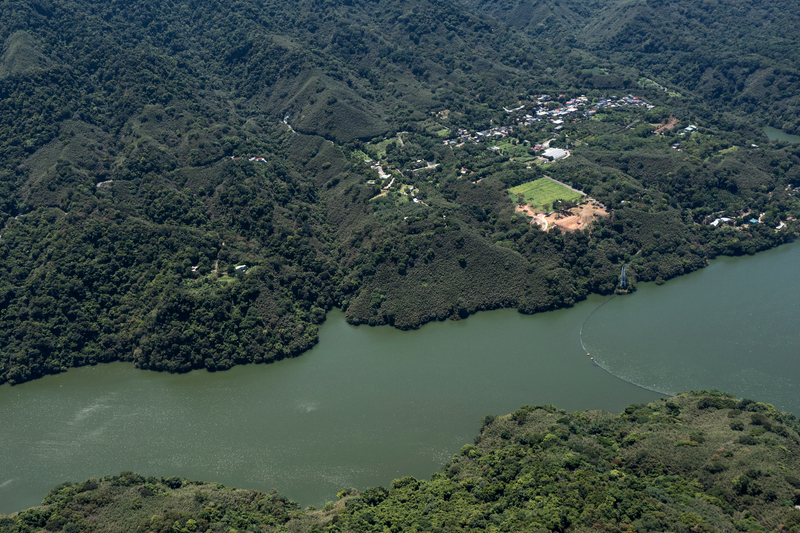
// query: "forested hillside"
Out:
[735,56]
[353,154]
[697,462]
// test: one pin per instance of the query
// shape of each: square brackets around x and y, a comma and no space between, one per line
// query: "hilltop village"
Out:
[508,138]
[532,136]
[546,110]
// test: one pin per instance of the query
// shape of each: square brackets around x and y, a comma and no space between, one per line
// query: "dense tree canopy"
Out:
[152,148]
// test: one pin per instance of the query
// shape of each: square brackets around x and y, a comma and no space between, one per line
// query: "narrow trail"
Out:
[601,367]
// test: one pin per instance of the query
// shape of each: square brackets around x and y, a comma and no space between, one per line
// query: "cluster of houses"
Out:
[629,100]
[252,159]
[688,130]
[553,113]
[381,174]
[543,112]
[556,116]
[420,164]
[464,136]
[572,108]
[727,220]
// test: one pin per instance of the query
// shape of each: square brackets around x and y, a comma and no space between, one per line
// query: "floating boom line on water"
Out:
[580,334]
[601,367]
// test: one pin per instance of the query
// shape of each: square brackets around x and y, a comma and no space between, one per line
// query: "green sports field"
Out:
[541,194]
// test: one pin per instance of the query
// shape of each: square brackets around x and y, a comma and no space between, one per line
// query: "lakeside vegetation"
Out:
[194,185]
[151,149]
[701,461]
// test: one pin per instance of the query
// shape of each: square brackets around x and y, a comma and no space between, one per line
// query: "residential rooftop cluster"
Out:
[464,136]
[545,112]
[629,100]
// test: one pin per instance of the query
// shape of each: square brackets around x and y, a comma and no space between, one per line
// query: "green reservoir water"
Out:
[734,326]
[368,405]
[365,406]
[774,134]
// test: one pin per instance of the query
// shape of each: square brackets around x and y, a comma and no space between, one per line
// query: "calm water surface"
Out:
[734,326]
[774,134]
[365,406]
[371,404]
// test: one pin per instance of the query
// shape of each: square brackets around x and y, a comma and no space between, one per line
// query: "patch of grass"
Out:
[650,84]
[542,193]
[379,149]
[361,156]
[513,150]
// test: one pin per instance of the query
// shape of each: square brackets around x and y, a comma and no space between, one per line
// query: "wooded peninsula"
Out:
[702,461]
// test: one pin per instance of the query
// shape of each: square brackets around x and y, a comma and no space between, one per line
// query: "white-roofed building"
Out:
[555,153]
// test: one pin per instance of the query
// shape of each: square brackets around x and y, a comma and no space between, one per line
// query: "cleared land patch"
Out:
[519,152]
[578,217]
[542,193]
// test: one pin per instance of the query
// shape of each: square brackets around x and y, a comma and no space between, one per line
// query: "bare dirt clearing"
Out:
[670,125]
[576,218]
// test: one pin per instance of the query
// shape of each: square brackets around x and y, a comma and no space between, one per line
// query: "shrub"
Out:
[520,416]
[374,495]
[741,483]
[174,482]
[531,438]
[406,482]
[760,419]
[716,402]
[698,436]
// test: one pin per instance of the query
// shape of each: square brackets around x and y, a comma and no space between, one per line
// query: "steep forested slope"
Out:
[697,462]
[120,120]
[151,148]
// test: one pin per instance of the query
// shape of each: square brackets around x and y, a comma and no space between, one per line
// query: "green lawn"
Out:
[650,84]
[513,150]
[361,156]
[379,149]
[541,194]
